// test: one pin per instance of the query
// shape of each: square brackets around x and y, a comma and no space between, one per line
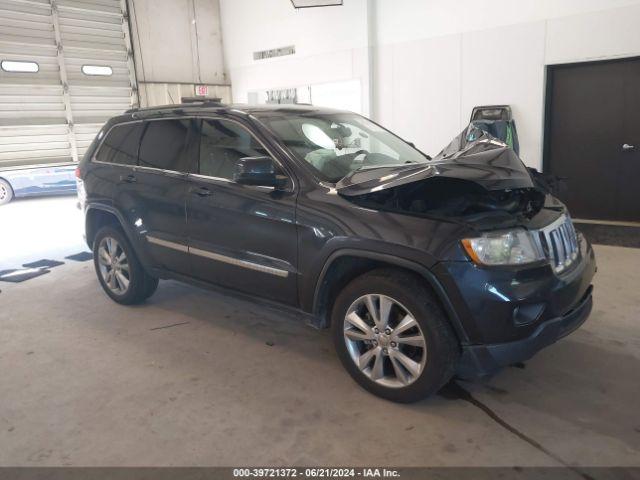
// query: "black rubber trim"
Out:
[403,263]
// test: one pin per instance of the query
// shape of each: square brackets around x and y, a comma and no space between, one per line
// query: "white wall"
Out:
[331,44]
[429,61]
[436,60]
[404,20]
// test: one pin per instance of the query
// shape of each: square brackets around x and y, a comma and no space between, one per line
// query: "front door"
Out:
[594,137]
[243,237]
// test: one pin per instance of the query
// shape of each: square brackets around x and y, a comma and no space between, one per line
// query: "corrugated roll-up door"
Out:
[33,125]
[95,38]
[85,75]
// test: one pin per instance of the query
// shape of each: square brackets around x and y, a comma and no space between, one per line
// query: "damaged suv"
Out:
[422,268]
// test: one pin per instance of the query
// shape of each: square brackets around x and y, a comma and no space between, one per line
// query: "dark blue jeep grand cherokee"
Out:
[423,268]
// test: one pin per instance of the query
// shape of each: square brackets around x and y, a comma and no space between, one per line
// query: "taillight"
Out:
[78,172]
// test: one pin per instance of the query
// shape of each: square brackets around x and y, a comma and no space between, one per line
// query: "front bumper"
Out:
[507,314]
[483,360]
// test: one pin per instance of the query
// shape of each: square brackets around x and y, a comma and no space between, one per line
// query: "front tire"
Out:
[6,192]
[118,269]
[393,337]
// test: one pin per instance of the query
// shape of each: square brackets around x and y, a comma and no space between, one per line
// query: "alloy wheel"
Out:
[385,341]
[114,265]
[3,192]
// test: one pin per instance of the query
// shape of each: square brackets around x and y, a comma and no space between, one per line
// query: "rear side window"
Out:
[163,145]
[223,143]
[121,144]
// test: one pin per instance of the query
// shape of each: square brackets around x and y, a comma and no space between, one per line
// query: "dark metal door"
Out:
[628,191]
[593,137]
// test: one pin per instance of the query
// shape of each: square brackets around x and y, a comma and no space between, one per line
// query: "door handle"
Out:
[626,147]
[201,191]
[128,178]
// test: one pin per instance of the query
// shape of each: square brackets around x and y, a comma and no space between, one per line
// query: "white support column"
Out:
[371,58]
[63,80]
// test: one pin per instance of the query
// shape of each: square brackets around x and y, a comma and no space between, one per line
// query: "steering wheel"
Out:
[360,152]
[358,159]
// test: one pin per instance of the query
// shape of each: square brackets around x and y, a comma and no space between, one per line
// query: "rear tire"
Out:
[118,269]
[6,192]
[404,358]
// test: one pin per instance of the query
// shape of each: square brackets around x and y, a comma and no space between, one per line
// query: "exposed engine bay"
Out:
[476,179]
[460,199]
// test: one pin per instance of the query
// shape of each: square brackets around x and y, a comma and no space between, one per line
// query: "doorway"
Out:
[592,137]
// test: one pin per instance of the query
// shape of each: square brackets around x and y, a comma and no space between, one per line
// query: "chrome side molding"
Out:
[218,257]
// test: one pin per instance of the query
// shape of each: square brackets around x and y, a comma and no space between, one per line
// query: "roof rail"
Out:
[204,100]
[186,102]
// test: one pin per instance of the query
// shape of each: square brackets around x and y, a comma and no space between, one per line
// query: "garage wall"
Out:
[177,45]
[331,45]
[449,58]
[429,62]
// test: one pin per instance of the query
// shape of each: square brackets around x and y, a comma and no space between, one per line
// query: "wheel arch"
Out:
[96,217]
[344,265]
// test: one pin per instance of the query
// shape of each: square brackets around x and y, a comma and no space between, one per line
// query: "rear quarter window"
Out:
[121,144]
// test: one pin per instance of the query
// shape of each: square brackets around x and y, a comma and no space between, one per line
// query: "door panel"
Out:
[158,206]
[243,237]
[593,112]
[160,191]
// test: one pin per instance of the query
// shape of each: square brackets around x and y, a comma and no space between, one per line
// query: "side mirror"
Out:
[259,171]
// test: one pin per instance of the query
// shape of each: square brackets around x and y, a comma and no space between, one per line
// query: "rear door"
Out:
[158,192]
[240,236]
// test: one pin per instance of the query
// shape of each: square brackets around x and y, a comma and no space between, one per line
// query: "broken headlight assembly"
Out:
[511,247]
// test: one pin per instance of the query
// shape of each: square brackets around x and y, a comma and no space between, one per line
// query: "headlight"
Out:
[513,247]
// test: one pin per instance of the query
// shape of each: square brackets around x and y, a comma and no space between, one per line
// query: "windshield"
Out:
[337,144]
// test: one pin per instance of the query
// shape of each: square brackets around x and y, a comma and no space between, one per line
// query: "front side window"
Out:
[222,144]
[337,144]
[163,145]
[121,144]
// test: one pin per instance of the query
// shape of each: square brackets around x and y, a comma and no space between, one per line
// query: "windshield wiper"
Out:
[401,165]
[407,166]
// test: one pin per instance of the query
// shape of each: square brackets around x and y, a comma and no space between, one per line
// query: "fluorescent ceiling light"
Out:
[315,3]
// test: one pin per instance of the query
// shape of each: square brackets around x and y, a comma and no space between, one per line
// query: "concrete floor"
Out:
[84,381]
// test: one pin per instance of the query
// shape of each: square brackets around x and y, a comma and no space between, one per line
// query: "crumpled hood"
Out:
[473,155]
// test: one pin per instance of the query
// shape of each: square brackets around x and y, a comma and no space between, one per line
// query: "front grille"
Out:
[559,243]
